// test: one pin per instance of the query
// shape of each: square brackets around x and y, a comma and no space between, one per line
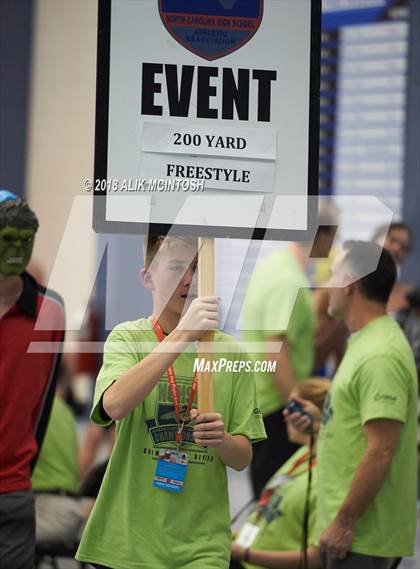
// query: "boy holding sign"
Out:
[163,502]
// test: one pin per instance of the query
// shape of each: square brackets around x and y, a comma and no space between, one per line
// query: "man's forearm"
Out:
[382,437]
[283,377]
[134,385]
[283,559]
[235,451]
[284,383]
[366,484]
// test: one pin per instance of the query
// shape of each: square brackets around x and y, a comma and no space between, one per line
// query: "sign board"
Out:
[207,117]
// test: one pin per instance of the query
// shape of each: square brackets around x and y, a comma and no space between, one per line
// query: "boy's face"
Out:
[171,277]
[15,249]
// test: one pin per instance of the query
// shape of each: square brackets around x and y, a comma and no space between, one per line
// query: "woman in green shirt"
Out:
[273,533]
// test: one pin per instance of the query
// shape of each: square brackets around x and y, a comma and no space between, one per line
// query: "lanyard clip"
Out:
[178,435]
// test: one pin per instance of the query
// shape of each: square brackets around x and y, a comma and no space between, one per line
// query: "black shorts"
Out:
[356,560]
[17,530]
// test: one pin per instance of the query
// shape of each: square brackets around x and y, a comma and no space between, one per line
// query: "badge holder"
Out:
[171,468]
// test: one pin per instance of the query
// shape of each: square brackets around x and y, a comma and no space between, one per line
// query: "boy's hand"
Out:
[209,429]
[202,315]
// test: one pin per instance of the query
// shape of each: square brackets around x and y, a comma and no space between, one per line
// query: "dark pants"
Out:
[358,561]
[270,454]
[235,565]
[17,530]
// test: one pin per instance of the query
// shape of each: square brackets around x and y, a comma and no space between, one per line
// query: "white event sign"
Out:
[220,91]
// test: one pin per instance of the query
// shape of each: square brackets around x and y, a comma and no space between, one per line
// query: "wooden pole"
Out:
[206,288]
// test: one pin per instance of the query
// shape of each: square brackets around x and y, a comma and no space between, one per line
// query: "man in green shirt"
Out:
[141,519]
[367,449]
[278,312]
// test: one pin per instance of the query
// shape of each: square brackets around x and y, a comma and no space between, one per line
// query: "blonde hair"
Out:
[314,389]
[155,243]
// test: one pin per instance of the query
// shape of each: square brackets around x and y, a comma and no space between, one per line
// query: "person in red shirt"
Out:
[31,334]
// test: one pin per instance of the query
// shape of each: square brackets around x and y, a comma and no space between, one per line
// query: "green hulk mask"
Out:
[15,249]
[18,225]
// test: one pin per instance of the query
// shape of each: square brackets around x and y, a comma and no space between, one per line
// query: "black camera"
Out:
[294,407]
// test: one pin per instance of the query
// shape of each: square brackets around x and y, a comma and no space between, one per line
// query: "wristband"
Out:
[246,555]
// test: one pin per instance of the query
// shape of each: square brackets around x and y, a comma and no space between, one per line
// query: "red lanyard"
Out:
[299,461]
[174,387]
[266,496]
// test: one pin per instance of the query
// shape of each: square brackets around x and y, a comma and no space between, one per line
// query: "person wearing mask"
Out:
[29,314]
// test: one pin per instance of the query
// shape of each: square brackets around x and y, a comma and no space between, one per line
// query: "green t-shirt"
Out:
[376,379]
[134,525]
[57,467]
[279,302]
[281,519]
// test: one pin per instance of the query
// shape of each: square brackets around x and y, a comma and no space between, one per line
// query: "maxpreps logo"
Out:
[211,28]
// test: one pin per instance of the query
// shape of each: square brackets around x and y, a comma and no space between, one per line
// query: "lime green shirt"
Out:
[278,302]
[57,467]
[376,380]
[281,519]
[134,525]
